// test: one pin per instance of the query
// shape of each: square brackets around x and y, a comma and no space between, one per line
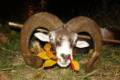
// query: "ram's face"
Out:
[63,42]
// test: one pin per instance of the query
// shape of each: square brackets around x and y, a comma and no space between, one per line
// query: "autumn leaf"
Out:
[50,54]
[47,47]
[49,63]
[75,65]
[43,55]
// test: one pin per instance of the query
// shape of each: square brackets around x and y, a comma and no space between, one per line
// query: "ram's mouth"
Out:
[64,62]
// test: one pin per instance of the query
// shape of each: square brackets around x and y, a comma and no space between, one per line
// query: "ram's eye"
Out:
[71,42]
[50,37]
[58,41]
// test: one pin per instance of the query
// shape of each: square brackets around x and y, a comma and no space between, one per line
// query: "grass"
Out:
[12,64]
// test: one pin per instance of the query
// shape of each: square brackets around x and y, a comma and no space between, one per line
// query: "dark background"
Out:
[105,12]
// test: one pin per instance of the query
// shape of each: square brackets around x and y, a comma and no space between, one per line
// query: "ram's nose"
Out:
[64,59]
[66,56]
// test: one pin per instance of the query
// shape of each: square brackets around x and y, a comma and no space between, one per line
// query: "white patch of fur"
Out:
[64,49]
[82,44]
[52,36]
[42,37]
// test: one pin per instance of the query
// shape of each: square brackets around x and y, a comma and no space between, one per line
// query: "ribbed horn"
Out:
[42,19]
[84,24]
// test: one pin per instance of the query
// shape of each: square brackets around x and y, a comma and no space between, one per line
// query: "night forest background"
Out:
[101,10]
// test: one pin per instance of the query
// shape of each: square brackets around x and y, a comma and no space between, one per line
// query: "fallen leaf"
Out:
[49,63]
[47,47]
[50,54]
[43,55]
[36,47]
[75,65]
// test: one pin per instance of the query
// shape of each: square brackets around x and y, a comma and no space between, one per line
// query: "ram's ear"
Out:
[82,44]
[42,36]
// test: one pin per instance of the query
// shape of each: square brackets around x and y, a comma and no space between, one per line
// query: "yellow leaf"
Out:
[50,54]
[49,63]
[47,47]
[75,65]
[43,55]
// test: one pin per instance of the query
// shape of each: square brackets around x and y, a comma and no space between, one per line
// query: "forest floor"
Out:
[13,67]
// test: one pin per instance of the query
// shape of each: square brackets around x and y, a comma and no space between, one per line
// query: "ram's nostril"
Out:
[69,57]
[65,56]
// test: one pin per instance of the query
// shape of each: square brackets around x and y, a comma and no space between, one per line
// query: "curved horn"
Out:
[43,19]
[84,24]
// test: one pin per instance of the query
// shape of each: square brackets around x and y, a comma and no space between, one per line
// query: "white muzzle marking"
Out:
[64,49]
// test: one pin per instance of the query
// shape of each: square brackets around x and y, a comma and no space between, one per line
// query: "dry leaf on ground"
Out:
[75,65]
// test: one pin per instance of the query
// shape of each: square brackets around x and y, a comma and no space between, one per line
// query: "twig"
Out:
[11,51]
[15,25]
[19,26]
[89,74]
[104,40]
[8,69]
